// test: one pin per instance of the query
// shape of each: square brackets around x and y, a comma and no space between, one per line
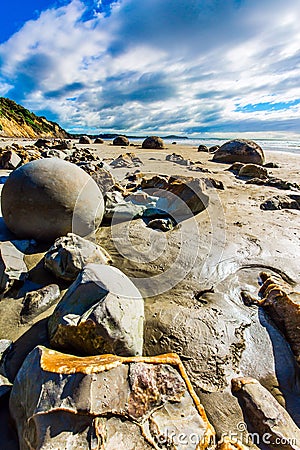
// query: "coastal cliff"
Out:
[17,121]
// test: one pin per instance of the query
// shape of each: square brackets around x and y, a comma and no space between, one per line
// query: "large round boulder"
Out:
[240,150]
[48,198]
[85,140]
[121,140]
[153,142]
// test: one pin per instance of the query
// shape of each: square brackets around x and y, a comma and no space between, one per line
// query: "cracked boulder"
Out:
[102,312]
[108,402]
[12,266]
[69,254]
[267,417]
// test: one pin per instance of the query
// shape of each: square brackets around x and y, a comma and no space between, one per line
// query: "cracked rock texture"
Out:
[59,401]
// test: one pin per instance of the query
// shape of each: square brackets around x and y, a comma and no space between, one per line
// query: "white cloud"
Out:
[171,66]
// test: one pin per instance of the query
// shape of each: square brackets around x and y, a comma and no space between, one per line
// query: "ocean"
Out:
[278,145]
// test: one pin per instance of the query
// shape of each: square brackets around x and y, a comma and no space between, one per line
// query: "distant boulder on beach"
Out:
[240,150]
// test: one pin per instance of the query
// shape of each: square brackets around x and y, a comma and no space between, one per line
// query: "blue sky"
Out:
[196,67]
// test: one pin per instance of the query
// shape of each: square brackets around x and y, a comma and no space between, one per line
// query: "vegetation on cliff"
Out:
[17,121]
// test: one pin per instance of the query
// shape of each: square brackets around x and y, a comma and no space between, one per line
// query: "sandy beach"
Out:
[219,253]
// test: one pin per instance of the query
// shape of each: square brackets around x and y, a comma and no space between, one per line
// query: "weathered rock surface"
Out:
[85,140]
[153,142]
[102,312]
[126,160]
[10,160]
[36,302]
[240,150]
[60,401]
[278,202]
[277,183]
[98,141]
[266,415]
[282,304]
[178,159]
[70,254]
[121,140]
[184,195]
[53,153]
[48,198]
[12,266]
[253,171]
[104,179]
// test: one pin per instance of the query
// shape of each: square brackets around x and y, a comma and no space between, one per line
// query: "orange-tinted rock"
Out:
[61,401]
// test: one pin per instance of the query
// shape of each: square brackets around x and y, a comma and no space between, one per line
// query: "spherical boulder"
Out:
[85,140]
[48,198]
[121,140]
[153,142]
[98,141]
[240,150]
[203,148]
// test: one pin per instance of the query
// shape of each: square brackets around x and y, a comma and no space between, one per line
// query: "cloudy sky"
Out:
[189,67]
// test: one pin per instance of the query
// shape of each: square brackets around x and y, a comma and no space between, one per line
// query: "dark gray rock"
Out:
[280,202]
[70,254]
[165,224]
[102,312]
[53,153]
[240,150]
[49,198]
[213,149]
[153,142]
[98,141]
[121,140]
[36,302]
[62,402]
[43,143]
[203,148]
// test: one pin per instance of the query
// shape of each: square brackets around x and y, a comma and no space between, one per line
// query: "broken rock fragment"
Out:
[36,302]
[12,266]
[62,401]
[102,312]
[266,415]
[69,254]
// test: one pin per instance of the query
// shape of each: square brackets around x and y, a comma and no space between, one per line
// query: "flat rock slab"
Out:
[101,312]
[62,401]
